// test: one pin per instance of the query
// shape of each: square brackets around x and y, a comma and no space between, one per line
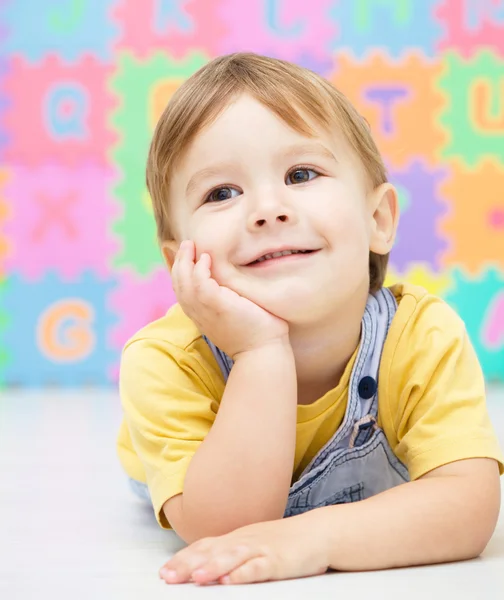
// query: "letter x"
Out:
[55,212]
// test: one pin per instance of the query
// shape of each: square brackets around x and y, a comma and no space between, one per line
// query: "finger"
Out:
[176,265]
[205,287]
[184,269]
[222,564]
[179,568]
[259,568]
[188,248]
[183,251]
[181,573]
[202,267]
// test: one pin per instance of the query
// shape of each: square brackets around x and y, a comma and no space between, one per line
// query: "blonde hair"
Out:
[282,87]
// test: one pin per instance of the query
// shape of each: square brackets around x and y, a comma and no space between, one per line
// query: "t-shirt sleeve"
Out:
[169,404]
[437,391]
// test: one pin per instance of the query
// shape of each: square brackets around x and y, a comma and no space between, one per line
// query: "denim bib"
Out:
[357,462]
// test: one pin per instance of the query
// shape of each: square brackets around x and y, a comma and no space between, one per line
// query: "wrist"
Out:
[279,346]
[319,523]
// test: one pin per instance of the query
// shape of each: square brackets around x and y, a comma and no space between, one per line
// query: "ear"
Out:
[169,250]
[384,207]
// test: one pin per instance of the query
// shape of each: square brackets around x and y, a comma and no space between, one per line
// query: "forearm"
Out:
[422,522]
[241,473]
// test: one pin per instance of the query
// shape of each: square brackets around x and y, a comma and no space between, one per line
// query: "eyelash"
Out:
[293,170]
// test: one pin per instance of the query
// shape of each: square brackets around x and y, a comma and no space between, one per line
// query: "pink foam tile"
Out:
[177,28]
[57,111]
[4,211]
[493,330]
[278,28]
[471,24]
[58,219]
[138,301]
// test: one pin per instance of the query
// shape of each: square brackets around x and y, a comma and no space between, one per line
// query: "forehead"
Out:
[248,125]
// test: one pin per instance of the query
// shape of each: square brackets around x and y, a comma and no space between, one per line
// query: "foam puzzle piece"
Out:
[176,27]
[418,239]
[470,24]
[419,273]
[4,321]
[72,29]
[393,97]
[144,88]
[479,300]
[4,212]
[474,109]
[395,26]
[137,301]
[63,117]
[58,336]
[493,330]
[474,224]
[280,28]
[4,102]
[57,222]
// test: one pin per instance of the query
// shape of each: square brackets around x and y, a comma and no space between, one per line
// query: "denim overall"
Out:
[357,462]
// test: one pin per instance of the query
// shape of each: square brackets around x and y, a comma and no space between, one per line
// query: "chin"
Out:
[295,301]
[293,307]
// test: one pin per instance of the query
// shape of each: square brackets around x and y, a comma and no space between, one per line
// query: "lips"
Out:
[277,253]
[267,257]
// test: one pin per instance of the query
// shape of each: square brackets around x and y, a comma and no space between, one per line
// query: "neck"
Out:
[322,350]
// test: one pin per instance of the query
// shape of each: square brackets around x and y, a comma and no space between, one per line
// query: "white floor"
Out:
[71,529]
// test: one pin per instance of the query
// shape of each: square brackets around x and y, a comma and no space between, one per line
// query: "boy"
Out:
[356,411]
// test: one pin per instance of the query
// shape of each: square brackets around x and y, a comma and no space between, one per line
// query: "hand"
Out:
[283,549]
[233,323]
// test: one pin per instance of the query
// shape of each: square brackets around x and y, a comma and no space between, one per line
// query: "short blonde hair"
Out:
[282,87]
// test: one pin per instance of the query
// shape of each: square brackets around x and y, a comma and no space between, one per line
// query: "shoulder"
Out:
[422,319]
[427,353]
[169,350]
[427,356]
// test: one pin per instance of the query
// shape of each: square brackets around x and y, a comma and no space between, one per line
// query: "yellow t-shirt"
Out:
[431,397]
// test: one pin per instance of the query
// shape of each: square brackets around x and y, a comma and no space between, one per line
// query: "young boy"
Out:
[287,381]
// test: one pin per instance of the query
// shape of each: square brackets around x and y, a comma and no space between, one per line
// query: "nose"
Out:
[270,214]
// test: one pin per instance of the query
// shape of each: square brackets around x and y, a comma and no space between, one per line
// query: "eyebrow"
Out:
[309,149]
[296,150]
[205,173]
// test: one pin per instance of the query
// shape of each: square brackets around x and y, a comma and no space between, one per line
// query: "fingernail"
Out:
[168,574]
[199,572]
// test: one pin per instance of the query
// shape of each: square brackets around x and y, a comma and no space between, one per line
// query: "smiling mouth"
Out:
[278,256]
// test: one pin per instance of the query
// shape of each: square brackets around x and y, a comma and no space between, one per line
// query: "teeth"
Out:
[277,254]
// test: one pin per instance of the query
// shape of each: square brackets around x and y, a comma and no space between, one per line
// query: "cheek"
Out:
[204,236]
[212,240]
[344,223]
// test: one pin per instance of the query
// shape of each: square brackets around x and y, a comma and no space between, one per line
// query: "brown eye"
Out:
[301,175]
[220,194]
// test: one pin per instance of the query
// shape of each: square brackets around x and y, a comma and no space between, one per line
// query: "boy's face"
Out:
[249,185]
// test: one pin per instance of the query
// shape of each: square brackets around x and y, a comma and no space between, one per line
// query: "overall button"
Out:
[367,387]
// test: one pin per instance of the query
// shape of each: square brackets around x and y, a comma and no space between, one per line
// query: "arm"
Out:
[449,514]
[242,471]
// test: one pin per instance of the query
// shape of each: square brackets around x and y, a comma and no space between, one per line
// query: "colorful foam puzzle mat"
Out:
[83,82]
